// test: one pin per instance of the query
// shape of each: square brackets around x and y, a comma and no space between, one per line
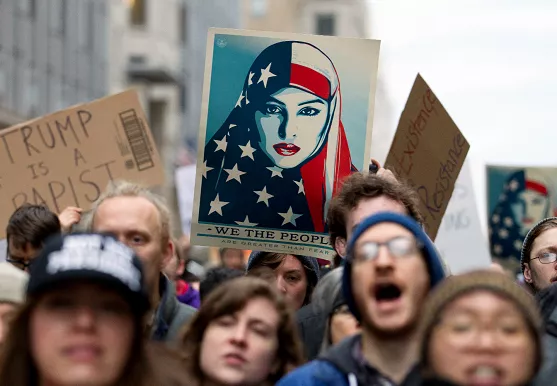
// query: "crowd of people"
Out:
[107,297]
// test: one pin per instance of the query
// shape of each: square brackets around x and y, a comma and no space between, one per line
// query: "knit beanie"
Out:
[529,240]
[433,261]
[13,282]
[310,263]
[489,280]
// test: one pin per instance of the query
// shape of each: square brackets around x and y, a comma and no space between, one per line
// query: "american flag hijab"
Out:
[515,213]
[241,182]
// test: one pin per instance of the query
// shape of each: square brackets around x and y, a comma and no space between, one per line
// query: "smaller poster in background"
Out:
[460,239]
[428,150]
[67,158]
[185,186]
[517,199]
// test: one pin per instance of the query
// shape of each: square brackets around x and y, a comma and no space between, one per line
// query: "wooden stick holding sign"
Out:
[428,150]
[68,157]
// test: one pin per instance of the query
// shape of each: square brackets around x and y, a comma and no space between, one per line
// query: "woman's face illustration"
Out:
[291,124]
[530,208]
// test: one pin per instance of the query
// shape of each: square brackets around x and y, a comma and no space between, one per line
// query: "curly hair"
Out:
[362,186]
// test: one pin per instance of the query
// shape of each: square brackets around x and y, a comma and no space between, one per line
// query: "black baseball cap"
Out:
[90,257]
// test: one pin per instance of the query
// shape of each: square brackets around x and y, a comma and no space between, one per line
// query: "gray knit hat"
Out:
[456,286]
[529,240]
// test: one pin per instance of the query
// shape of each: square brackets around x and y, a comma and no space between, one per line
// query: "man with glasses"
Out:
[538,260]
[539,255]
[390,267]
[28,227]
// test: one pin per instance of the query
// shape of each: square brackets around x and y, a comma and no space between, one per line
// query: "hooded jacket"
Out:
[171,315]
[343,365]
[547,300]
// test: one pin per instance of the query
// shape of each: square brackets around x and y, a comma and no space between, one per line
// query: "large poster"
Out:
[518,197]
[285,118]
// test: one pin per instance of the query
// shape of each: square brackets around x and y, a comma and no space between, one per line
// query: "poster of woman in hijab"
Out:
[518,198]
[285,119]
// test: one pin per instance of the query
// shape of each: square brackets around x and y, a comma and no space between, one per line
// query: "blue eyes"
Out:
[272,109]
[304,111]
[309,111]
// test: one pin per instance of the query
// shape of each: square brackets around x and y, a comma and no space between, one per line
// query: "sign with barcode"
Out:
[67,158]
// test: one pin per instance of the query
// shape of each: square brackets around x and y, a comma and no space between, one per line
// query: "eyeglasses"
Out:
[399,247]
[468,329]
[546,257]
[18,263]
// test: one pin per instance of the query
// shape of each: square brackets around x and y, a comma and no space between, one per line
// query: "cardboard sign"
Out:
[428,150]
[460,239]
[517,198]
[285,118]
[67,158]
[185,186]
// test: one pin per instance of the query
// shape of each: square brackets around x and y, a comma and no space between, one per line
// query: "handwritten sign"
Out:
[428,150]
[68,158]
[460,239]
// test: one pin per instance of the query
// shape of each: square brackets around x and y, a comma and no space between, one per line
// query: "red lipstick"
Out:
[286,149]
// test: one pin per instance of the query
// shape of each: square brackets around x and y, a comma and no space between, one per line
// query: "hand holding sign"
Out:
[428,150]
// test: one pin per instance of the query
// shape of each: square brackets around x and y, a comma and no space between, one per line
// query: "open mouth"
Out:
[387,292]
[286,149]
[486,375]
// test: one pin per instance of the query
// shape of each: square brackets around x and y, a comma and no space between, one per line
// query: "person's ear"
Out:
[181,267]
[340,246]
[168,252]
[527,273]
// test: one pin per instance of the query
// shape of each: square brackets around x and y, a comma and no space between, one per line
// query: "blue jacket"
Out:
[340,366]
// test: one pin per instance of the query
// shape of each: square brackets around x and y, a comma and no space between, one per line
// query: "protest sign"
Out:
[517,198]
[67,158]
[185,185]
[275,140]
[460,239]
[428,150]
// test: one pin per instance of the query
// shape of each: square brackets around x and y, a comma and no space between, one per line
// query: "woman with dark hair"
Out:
[295,276]
[243,334]
[282,152]
[82,322]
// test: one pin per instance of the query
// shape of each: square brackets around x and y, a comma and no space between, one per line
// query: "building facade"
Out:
[201,15]
[53,54]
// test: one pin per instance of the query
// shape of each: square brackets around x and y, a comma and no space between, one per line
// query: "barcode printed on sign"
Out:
[137,139]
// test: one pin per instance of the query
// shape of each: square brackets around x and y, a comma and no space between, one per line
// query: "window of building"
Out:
[258,8]
[91,26]
[183,26]
[33,9]
[138,10]
[183,98]
[325,24]
[63,17]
